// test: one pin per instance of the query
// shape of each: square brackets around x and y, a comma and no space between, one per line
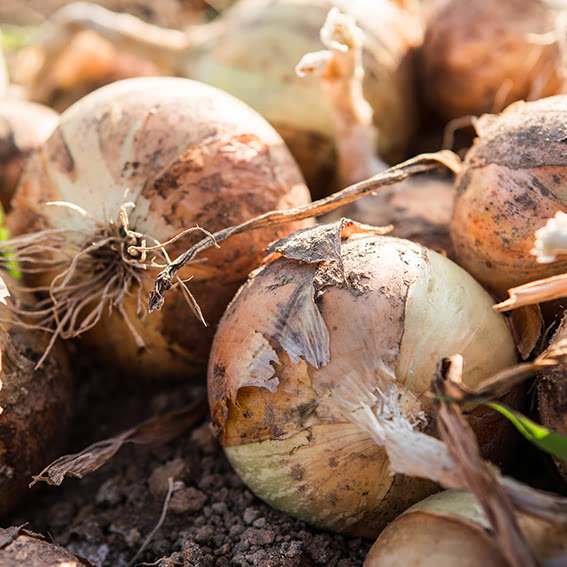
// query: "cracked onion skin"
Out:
[450,528]
[36,404]
[189,154]
[513,180]
[298,338]
[480,56]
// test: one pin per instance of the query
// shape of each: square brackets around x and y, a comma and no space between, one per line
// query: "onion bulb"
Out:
[134,164]
[19,546]
[480,56]
[251,51]
[512,181]
[450,528]
[336,310]
[23,127]
[35,404]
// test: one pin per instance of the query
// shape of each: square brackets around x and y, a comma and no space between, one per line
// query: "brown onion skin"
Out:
[478,56]
[36,404]
[23,127]
[307,454]
[19,546]
[190,155]
[512,181]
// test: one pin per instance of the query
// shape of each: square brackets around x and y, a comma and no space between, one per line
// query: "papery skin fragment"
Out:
[275,439]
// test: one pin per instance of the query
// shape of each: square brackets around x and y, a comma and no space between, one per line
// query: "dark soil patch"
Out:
[212,519]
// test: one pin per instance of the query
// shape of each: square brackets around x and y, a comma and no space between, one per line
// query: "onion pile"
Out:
[35,404]
[23,127]
[251,51]
[337,310]
[512,181]
[134,164]
[480,56]
[449,529]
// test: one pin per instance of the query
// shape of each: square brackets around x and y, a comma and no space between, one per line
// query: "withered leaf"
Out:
[482,479]
[154,431]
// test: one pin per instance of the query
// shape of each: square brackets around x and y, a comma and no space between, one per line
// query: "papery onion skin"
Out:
[36,404]
[512,181]
[450,528]
[479,57]
[23,127]
[279,422]
[189,154]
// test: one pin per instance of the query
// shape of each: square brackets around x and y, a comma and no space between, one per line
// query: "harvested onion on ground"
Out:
[23,127]
[449,529]
[132,165]
[251,50]
[337,310]
[35,405]
[512,181]
[480,56]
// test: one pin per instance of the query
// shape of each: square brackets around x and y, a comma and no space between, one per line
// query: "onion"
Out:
[251,51]
[337,310]
[512,181]
[35,404]
[480,56]
[19,546]
[23,127]
[187,154]
[450,529]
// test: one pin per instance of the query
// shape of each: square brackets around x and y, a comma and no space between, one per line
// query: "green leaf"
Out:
[546,440]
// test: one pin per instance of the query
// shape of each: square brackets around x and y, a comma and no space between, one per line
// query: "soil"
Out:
[212,519]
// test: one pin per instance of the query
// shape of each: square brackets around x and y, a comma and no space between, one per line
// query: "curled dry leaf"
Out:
[480,477]
[155,431]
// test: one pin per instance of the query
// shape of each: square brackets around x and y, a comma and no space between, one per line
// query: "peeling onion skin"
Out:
[36,404]
[295,339]
[450,528]
[189,155]
[23,127]
[478,56]
[512,181]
